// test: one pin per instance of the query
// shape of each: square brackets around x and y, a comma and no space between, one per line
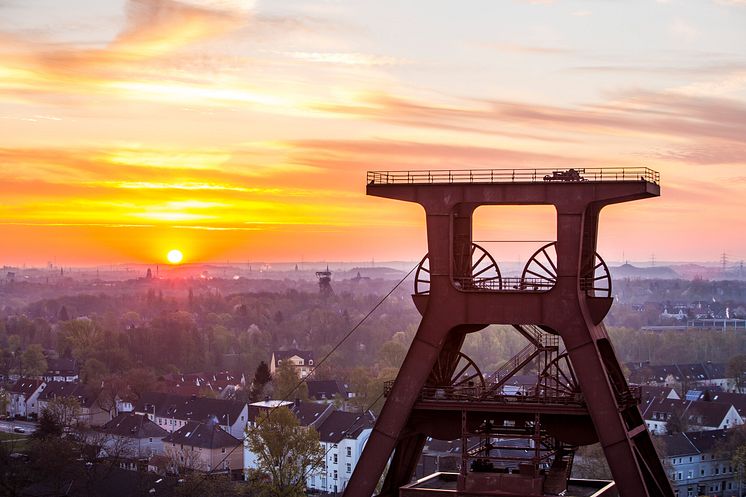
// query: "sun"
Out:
[175,256]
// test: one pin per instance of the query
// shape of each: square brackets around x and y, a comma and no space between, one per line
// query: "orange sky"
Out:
[238,130]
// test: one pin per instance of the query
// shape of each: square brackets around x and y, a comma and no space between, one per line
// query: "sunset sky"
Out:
[242,130]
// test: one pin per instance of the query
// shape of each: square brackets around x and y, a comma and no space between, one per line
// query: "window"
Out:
[335,458]
[349,451]
[335,474]
[349,468]
[151,439]
[222,450]
[689,474]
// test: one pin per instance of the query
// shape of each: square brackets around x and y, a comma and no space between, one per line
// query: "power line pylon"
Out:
[580,395]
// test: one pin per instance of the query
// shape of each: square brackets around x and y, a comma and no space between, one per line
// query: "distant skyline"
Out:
[242,130]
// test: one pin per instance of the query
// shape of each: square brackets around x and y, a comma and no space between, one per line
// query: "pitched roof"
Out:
[25,386]
[696,412]
[57,389]
[208,435]
[131,425]
[63,365]
[193,383]
[677,444]
[286,354]
[342,424]
[187,408]
[310,413]
[649,392]
[738,400]
[706,441]
[645,372]
[326,389]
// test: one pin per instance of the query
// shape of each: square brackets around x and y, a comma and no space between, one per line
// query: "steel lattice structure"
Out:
[580,395]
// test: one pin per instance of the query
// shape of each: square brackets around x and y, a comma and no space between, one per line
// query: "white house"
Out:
[24,397]
[695,415]
[342,436]
[172,412]
[302,360]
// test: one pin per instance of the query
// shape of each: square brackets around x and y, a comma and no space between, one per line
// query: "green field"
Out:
[15,440]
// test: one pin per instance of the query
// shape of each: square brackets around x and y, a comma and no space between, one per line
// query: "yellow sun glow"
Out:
[175,256]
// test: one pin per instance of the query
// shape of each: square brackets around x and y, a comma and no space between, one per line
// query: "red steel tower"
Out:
[518,442]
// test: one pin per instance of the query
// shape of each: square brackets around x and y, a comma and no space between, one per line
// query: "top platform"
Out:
[503,176]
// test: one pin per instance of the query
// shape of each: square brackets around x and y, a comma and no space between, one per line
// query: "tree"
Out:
[93,371]
[677,423]
[49,426]
[739,463]
[262,376]
[4,401]
[286,452]
[63,314]
[140,380]
[286,380]
[182,460]
[64,410]
[82,336]
[33,362]
[736,369]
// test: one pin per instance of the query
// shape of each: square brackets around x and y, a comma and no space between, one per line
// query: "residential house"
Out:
[695,415]
[737,399]
[64,369]
[696,466]
[682,376]
[24,397]
[649,392]
[132,436]
[324,390]
[302,360]
[88,397]
[203,447]
[172,412]
[342,436]
[223,384]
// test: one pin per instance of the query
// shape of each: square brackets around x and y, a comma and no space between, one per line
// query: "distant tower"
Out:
[325,282]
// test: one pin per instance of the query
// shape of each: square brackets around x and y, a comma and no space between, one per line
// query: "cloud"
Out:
[154,29]
[709,121]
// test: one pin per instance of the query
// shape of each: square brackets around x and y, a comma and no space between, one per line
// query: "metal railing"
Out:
[445,176]
[533,395]
[512,284]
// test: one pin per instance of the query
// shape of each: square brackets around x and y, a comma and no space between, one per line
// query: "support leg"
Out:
[418,364]
[623,435]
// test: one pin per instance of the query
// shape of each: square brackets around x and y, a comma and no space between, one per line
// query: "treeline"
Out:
[202,331]
[671,347]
